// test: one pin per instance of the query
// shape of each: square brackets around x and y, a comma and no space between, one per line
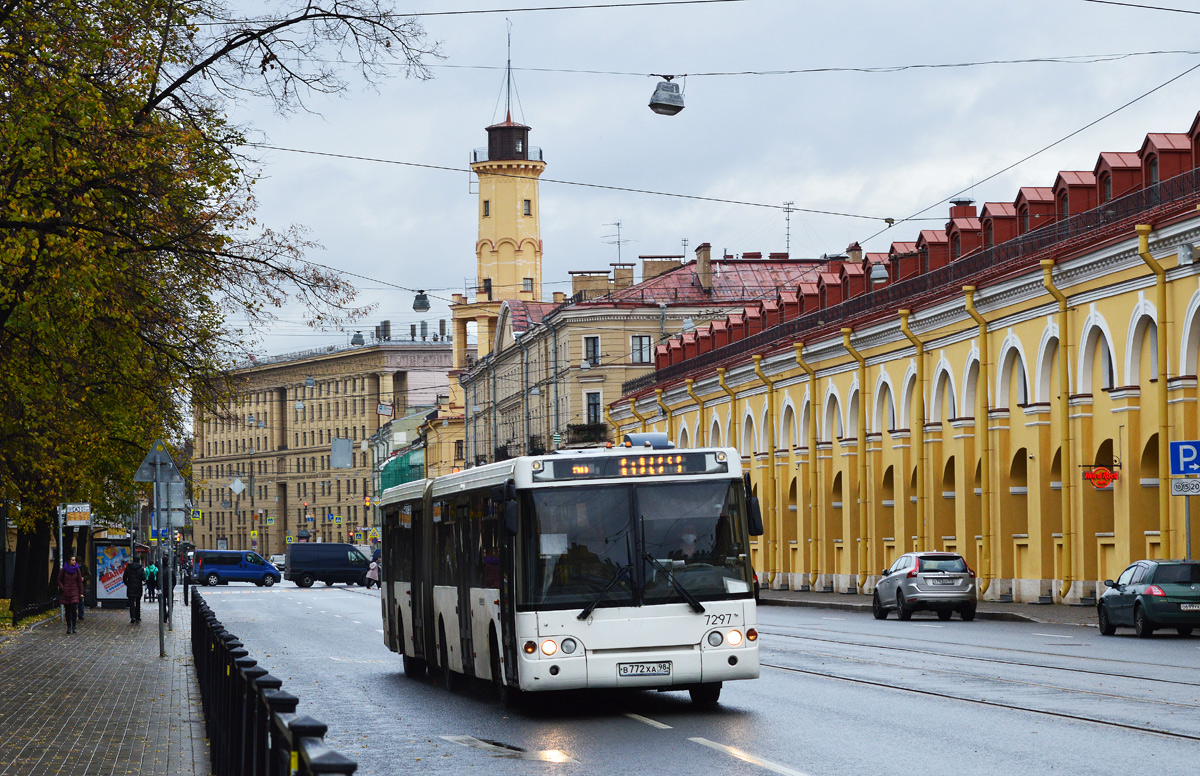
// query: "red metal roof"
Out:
[1169,141]
[1039,193]
[877,258]
[966,224]
[1079,177]
[903,247]
[733,281]
[932,236]
[525,314]
[999,209]
[1119,159]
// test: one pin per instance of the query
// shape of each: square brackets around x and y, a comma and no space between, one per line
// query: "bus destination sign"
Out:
[639,465]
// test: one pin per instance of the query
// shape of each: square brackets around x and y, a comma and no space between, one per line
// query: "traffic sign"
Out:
[157,457]
[1185,458]
[254,534]
[270,521]
[1185,487]
[197,514]
[288,539]
[337,519]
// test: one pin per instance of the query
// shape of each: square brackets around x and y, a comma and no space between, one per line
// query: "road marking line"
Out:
[356,622]
[337,615]
[839,619]
[733,751]
[378,630]
[1053,636]
[925,625]
[646,720]
[496,750]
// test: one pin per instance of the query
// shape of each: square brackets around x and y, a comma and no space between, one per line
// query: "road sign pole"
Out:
[62,609]
[1187,527]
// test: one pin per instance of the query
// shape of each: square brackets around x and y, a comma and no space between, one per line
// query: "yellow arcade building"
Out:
[1004,387]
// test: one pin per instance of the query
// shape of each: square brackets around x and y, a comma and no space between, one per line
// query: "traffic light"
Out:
[366,501]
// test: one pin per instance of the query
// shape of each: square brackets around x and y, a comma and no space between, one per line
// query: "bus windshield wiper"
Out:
[587,610]
[692,600]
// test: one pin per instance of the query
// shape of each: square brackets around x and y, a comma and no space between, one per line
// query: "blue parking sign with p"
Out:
[1185,458]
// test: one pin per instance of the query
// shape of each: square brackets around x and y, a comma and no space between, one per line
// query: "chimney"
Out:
[704,266]
[653,266]
[588,284]
[962,208]
[780,256]
[622,275]
[752,256]
[559,297]
[855,252]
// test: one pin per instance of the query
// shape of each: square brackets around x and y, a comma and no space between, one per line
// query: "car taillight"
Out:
[913,571]
[1155,590]
[970,572]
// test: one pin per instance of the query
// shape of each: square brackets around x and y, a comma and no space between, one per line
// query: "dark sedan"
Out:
[1152,594]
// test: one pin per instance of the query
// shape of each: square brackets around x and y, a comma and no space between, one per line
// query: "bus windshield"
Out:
[620,542]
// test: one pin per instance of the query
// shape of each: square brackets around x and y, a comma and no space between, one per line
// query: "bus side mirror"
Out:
[756,523]
[512,517]
[498,494]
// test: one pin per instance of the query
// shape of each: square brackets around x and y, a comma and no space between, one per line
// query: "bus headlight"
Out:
[735,638]
[549,647]
[568,646]
[720,457]
[536,465]
[715,638]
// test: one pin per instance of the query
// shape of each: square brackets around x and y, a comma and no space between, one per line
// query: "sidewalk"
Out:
[1058,614]
[101,702]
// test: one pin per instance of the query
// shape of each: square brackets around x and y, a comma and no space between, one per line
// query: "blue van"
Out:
[218,567]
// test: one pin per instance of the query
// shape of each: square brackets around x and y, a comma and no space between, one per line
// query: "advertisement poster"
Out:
[111,560]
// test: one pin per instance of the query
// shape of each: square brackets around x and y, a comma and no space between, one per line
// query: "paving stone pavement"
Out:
[101,702]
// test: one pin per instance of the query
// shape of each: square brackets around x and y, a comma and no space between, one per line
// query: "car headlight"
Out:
[568,646]
[549,647]
[715,638]
[735,638]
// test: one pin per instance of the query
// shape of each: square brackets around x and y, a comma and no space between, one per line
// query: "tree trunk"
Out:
[33,578]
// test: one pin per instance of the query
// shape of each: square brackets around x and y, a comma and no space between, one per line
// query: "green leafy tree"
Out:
[127,229]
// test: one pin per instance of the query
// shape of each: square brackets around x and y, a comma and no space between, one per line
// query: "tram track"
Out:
[1139,728]
[994,660]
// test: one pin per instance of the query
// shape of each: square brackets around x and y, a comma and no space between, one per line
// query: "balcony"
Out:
[481,155]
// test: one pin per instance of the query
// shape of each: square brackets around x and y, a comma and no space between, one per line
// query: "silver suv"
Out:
[938,581]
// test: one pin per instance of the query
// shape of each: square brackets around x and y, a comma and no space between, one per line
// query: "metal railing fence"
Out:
[249,719]
[32,610]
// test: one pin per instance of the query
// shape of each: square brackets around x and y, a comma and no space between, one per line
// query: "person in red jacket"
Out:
[70,581]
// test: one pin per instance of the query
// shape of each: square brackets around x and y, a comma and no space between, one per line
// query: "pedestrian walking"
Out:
[151,581]
[373,574]
[134,577]
[70,582]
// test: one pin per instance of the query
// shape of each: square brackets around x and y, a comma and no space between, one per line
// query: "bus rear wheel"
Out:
[706,694]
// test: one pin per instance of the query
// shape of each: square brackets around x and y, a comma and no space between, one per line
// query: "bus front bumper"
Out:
[632,668]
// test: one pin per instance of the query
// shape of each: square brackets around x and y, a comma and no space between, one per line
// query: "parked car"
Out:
[328,562]
[279,560]
[218,567]
[936,581]
[1152,594]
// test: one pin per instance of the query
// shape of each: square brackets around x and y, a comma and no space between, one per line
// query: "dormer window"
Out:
[1152,169]
[989,237]
[1025,220]
[1063,205]
[956,247]
[1106,188]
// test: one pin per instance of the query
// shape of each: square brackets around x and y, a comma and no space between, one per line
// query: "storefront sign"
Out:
[1101,477]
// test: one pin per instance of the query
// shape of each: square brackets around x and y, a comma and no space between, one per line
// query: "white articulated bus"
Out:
[626,566]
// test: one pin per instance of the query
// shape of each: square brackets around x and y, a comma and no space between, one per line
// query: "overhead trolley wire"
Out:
[1041,150]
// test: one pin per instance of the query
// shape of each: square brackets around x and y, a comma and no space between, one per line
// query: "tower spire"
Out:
[508,78]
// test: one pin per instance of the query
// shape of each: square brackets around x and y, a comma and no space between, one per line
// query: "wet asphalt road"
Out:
[840,693]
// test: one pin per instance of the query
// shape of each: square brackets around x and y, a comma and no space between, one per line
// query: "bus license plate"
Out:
[644,669]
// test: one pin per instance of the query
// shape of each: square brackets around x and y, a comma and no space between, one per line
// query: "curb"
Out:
[866,608]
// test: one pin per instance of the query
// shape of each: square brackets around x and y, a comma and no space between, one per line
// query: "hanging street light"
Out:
[667,99]
[421,302]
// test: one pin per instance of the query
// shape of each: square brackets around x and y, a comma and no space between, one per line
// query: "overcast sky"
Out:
[875,144]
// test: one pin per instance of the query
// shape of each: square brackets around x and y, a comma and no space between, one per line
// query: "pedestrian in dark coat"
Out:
[133,578]
[70,581]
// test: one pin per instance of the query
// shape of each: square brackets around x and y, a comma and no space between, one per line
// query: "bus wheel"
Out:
[706,694]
